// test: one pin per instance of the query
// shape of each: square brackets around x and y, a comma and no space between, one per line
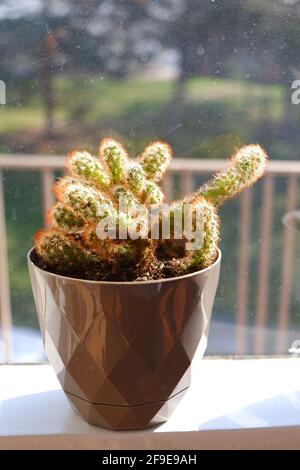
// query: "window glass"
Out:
[207,77]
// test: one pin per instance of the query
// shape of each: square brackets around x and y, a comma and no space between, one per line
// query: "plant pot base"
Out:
[122,352]
[125,417]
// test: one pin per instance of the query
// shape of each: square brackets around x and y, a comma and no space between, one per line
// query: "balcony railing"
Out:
[187,170]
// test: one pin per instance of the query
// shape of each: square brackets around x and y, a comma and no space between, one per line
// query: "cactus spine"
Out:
[62,251]
[115,158]
[156,159]
[63,217]
[247,165]
[85,166]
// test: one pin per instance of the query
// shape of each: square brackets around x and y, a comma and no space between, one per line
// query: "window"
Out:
[206,79]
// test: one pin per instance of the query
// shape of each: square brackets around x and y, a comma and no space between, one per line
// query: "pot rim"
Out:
[126,283]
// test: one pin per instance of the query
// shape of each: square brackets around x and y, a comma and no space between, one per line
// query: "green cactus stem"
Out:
[135,217]
[155,160]
[116,159]
[247,165]
[85,166]
[209,220]
[64,217]
[86,202]
[152,194]
[121,195]
[136,179]
[147,191]
[198,219]
[62,252]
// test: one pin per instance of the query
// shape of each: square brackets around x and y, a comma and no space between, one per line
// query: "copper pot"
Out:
[122,351]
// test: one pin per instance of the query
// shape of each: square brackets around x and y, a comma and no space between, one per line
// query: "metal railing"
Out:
[187,170]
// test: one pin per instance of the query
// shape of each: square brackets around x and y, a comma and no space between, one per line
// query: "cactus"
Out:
[85,166]
[203,255]
[193,251]
[115,158]
[62,252]
[63,217]
[86,201]
[152,194]
[136,179]
[114,193]
[156,159]
[247,165]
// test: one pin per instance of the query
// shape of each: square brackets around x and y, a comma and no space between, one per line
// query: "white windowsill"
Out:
[239,404]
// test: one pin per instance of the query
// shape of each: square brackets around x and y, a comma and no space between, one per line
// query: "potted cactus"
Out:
[124,285]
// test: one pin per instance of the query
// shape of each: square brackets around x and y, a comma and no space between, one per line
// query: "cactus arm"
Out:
[136,179]
[147,191]
[132,173]
[204,223]
[206,254]
[247,165]
[115,158]
[61,251]
[64,218]
[86,202]
[155,160]
[132,214]
[85,166]
[121,195]
[152,194]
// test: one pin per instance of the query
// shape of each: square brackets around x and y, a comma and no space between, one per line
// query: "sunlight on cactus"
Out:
[153,194]
[62,252]
[247,165]
[116,159]
[83,165]
[113,193]
[136,179]
[86,201]
[64,217]
[156,159]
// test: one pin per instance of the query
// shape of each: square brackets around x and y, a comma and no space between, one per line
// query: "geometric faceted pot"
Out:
[122,351]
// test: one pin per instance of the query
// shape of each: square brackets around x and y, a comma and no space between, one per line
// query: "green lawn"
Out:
[137,111]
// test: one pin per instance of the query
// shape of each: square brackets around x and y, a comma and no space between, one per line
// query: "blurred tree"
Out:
[204,33]
[254,39]
[72,37]
[250,39]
